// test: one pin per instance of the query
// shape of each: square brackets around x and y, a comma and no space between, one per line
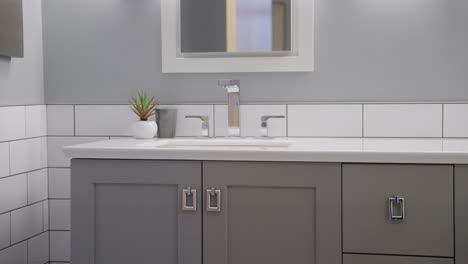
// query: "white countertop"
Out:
[359,150]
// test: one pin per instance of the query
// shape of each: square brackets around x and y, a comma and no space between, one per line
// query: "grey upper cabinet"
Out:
[131,212]
[461,214]
[425,202]
[275,213]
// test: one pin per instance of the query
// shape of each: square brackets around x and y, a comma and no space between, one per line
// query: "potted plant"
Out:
[144,107]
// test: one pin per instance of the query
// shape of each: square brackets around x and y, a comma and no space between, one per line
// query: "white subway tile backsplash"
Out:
[37,186]
[403,120]
[250,120]
[17,254]
[59,245]
[191,127]
[104,120]
[55,155]
[12,123]
[4,160]
[38,249]
[59,183]
[59,213]
[456,120]
[13,192]
[60,120]
[4,230]
[26,222]
[325,120]
[25,155]
[36,121]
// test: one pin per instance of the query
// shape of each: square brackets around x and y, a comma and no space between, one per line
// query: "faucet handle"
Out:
[264,124]
[205,132]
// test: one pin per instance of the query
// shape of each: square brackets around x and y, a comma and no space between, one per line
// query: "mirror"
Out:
[11,28]
[235,27]
[207,36]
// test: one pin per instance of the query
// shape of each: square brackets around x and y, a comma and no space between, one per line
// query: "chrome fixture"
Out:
[213,200]
[189,199]
[233,89]
[205,128]
[264,124]
[396,203]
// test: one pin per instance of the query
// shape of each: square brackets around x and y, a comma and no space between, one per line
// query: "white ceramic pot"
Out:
[144,129]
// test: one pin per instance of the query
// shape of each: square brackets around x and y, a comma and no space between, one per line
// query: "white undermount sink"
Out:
[223,142]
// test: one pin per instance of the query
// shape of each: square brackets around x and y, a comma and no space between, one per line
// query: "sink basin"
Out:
[223,142]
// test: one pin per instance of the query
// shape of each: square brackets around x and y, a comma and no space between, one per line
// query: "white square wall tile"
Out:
[456,120]
[60,120]
[17,254]
[59,183]
[38,249]
[36,121]
[4,230]
[104,120]
[55,155]
[250,120]
[12,123]
[26,222]
[59,246]
[403,120]
[37,186]
[25,155]
[4,159]
[325,120]
[189,127]
[45,214]
[44,152]
[13,192]
[59,214]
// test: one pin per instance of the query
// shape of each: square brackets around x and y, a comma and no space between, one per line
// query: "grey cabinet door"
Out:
[272,213]
[461,214]
[130,212]
[374,259]
[427,229]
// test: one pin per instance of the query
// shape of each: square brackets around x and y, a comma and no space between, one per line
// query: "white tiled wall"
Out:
[325,120]
[456,120]
[403,120]
[23,185]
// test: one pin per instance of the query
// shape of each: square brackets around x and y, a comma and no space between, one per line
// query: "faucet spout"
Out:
[233,90]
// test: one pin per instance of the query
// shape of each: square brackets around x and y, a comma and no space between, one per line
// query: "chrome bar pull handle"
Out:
[396,207]
[189,199]
[213,200]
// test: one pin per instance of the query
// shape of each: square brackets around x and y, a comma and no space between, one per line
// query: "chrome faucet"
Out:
[205,126]
[264,124]
[233,89]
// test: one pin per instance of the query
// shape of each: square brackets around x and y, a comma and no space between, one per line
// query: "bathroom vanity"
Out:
[323,201]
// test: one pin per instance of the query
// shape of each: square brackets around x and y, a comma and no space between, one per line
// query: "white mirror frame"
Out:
[302,61]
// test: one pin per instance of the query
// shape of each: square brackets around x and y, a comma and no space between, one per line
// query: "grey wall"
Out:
[366,50]
[22,79]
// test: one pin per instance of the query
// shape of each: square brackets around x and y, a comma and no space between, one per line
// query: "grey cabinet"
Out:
[373,259]
[275,213]
[427,225]
[461,214]
[131,212]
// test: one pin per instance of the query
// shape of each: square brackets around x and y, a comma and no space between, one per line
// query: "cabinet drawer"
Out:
[427,228]
[372,259]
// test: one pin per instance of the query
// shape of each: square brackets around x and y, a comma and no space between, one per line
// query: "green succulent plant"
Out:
[143,106]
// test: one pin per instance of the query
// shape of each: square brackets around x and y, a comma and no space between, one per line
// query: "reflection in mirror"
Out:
[235,26]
